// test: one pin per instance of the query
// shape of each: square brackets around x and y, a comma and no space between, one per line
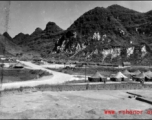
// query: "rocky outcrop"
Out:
[110,33]
[102,34]
[52,28]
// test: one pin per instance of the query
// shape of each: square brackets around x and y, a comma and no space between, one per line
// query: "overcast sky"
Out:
[26,16]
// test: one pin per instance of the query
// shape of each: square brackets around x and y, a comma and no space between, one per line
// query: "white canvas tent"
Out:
[148,74]
[97,77]
[137,72]
[141,76]
[118,77]
[126,72]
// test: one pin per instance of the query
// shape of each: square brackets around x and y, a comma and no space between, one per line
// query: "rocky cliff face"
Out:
[112,34]
[108,34]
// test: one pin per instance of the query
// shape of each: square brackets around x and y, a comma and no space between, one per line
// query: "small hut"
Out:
[97,77]
[126,64]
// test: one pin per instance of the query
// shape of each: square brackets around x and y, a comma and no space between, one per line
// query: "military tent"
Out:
[140,77]
[126,72]
[148,75]
[137,72]
[118,77]
[97,77]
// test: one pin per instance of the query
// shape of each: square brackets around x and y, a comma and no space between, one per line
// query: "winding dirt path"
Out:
[57,78]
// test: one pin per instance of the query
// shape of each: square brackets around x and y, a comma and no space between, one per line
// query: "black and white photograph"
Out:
[75,59]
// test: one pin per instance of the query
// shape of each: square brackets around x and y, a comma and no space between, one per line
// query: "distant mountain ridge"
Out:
[40,40]
[97,33]
[7,46]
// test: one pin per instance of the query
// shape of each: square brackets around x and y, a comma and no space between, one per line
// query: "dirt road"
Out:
[57,78]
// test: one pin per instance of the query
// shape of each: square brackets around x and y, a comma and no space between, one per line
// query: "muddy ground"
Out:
[72,104]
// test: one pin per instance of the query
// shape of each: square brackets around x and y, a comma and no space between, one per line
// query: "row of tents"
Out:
[138,74]
[122,76]
[97,77]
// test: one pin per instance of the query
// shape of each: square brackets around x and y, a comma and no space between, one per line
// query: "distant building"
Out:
[126,64]
[18,65]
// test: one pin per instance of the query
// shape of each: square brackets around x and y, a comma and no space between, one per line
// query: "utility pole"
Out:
[85,71]
[87,85]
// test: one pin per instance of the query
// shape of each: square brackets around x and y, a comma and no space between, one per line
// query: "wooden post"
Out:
[85,72]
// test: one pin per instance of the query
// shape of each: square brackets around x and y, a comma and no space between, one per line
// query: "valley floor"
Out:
[57,77]
[72,104]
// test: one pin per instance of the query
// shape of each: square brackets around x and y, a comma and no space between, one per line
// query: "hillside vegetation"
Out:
[100,34]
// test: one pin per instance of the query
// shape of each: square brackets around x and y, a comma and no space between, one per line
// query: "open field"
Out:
[14,75]
[72,104]
[44,102]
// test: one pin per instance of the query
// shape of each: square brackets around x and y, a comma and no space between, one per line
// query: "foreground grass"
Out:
[13,75]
